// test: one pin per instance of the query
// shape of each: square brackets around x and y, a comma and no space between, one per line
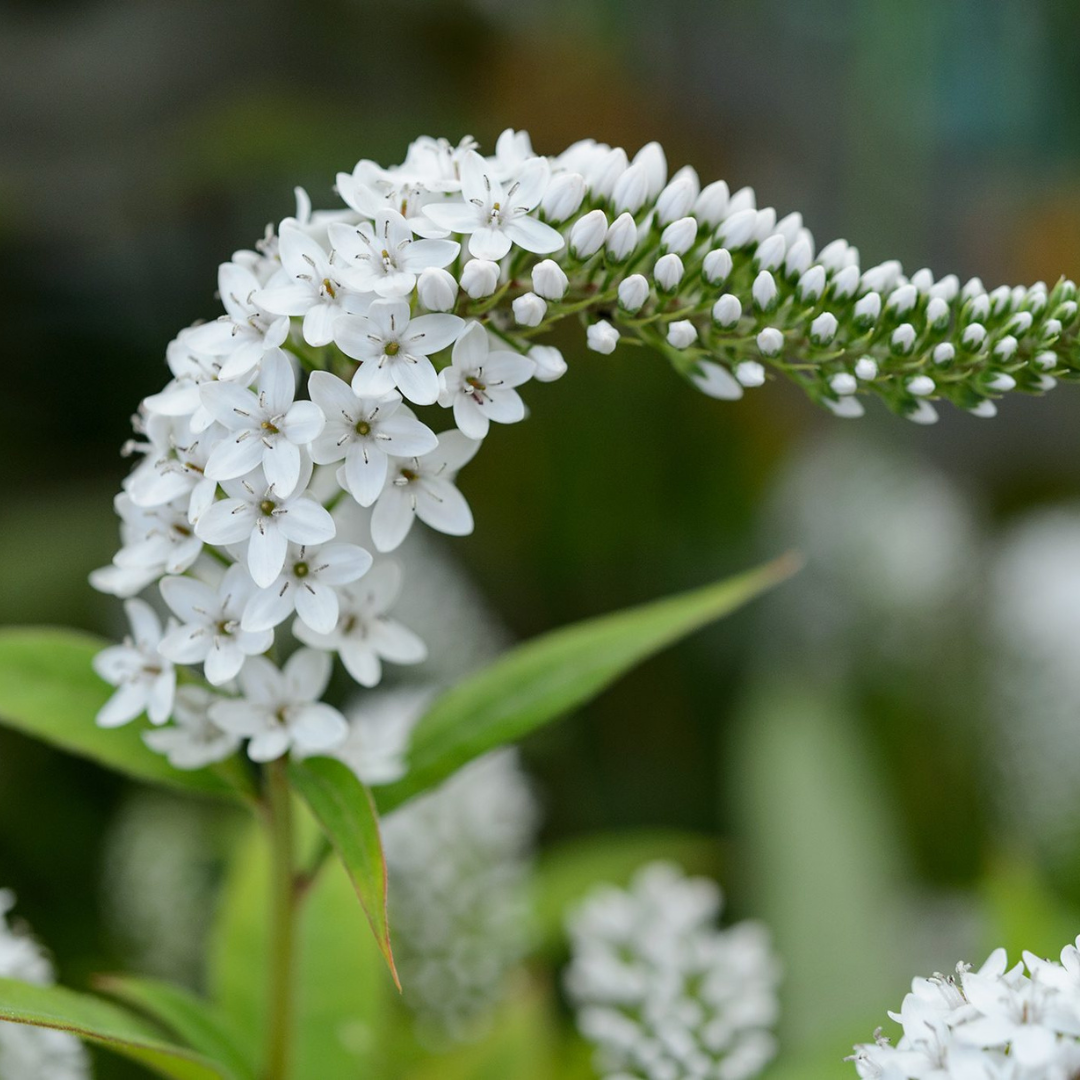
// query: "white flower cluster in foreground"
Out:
[661,992]
[33,1053]
[425,288]
[997,1023]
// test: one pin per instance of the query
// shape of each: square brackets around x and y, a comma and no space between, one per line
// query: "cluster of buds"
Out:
[428,288]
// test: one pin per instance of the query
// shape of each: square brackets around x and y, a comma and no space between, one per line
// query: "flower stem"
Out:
[282,923]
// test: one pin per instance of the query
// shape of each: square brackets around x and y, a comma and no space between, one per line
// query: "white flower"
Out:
[364,431]
[306,586]
[174,465]
[145,680]
[317,290]
[496,217]
[479,278]
[380,727]
[423,487]
[479,383]
[267,429]
[247,332]
[192,740]
[281,709]
[602,337]
[383,257]
[254,513]
[549,280]
[210,632]
[394,349]
[529,309]
[436,289]
[365,636]
[660,992]
[550,364]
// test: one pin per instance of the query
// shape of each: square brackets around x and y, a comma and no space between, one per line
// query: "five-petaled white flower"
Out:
[382,257]
[267,429]
[364,431]
[281,708]
[498,217]
[192,740]
[480,383]
[365,635]
[316,290]
[145,681]
[306,586]
[394,349]
[254,512]
[210,632]
[423,487]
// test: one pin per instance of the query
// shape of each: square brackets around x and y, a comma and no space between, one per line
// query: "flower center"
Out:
[301,569]
[410,475]
[328,288]
[267,507]
[363,427]
[475,383]
[392,348]
[270,428]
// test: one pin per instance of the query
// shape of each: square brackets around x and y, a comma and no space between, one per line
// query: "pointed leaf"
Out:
[100,1022]
[195,1022]
[548,677]
[344,808]
[49,691]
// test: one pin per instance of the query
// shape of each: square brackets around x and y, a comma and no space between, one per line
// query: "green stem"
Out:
[282,922]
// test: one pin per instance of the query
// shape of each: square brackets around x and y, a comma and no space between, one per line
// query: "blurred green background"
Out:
[889,792]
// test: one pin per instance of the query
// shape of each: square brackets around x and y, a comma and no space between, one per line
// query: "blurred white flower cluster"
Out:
[424,288]
[33,1053]
[997,1023]
[661,992]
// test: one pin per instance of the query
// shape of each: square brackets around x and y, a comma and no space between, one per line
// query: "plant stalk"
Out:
[280,1017]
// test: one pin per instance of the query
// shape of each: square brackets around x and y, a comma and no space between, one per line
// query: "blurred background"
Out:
[884,751]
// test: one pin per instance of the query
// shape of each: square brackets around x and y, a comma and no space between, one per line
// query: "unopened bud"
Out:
[823,328]
[937,313]
[549,362]
[587,234]
[743,199]
[529,309]
[902,299]
[668,272]
[764,291]
[563,197]
[973,337]
[621,239]
[843,383]
[799,257]
[677,199]
[770,341]
[716,267]
[479,278]
[921,385]
[631,190]
[605,171]
[903,338]
[750,373]
[727,311]
[679,236]
[770,252]
[867,310]
[436,289]
[711,205]
[549,280]
[846,282]
[923,280]
[812,284]
[602,337]
[653,165]
[682,334]
[1006,348]
[866,369]
[1001,382]
[633,292]
[848,408]
[923,413]
[716,381]
[944,353]
[985,410]
[834,256]
[737,230]
[948,288]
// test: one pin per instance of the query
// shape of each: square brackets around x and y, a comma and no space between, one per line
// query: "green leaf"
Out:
[196,1022]
[550,676]
[345,810]
[342,991]
[100,1022]
[566,872]
[49,691]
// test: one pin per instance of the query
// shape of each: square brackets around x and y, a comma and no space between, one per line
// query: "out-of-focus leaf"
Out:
[548,677]
[196,1022]
[341,986]
[49,691]
[100,1022]
[566,872]
[345,810]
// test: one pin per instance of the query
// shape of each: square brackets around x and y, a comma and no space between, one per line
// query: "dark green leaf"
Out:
[100,1022]
[345,810]
[49,691]
[546,678]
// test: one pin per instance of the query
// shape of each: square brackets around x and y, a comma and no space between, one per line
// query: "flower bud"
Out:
[743,199]
[679,236]
[668,272]
[923,280]
[921,385]
[716,267]
[973,337]
[944,353]
[823,328]
[587,234]
[846,282]
[1001,382]
[1066,313]
[436,289]
[812,284]
[834,257]
[549,280]
[923,413]
[937,313]
[651,161]
[549,362]
[682,334]
[764,291]
[972,287]
[1051,330]
[737,230]
[1037,299]
[529,309]
[948,288]
[1006,348]
[750,373]
[882,278]
[716,381]
[621,238]
[770,341]
[903,338]
[605,170]
[712,204]
[770,252]
[563,197]
[480,278]
[790,227]
[727,311]
[1046,360]
[848,408]
[1001,299]
[1020,323]
[633,292]
[985,410]
[1045,382]
[602,337]
[799,257]
[631,190]
[978,308]
[902,299]
[843,383]
[866,369]
[867,310]
[677,199]
[765,224]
